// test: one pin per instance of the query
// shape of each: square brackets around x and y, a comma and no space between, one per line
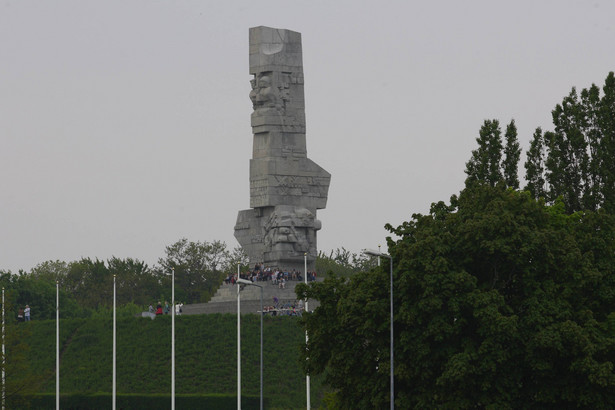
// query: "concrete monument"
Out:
[286,188]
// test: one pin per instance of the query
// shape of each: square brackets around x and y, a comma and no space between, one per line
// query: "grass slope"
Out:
[205,356]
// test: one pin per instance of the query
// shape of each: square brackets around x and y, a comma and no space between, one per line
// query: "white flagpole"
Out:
[238,342]
[57,345]
[3,357]
[114,347]
[172,338]
[307,376]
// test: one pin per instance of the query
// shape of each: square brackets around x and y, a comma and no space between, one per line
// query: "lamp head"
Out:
[371,252]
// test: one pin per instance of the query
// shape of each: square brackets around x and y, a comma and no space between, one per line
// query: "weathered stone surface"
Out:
[286,187]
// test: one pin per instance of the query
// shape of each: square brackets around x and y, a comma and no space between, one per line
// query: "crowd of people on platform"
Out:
[275,276]
[166,309]
[287,308]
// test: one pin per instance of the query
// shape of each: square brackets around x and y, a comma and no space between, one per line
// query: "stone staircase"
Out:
[225,299]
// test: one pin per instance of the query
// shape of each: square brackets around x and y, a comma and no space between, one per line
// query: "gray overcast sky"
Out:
[125,125]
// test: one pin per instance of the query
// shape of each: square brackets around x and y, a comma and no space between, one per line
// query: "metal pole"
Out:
[379,255]
[3,357]
[262,314]
[57,345]
[249,283]
[172,338]
[238,344]
[391,318]
[307,376]
[392,365]
[114,347]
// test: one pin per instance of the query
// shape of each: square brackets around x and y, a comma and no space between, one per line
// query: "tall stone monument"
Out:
[286,187]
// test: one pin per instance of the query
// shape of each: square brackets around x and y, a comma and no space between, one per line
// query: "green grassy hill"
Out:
[206,357]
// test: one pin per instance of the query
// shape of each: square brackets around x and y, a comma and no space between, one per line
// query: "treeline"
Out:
[573,162]
[86,285]
[503,297]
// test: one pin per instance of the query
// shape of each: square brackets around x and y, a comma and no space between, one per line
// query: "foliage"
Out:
[18,375]
[235,257]
[492,162]
[535,166]
[342,262]
[197,268]
[579,151]
[22,290]
[86,285]
[500,302]
[512,153]
[206,357]
[484,165]
[79,401]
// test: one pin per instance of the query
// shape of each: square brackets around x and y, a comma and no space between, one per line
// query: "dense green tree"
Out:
[500,302]
[90,283]
[40,294]
[485,163]
[567,160]
[197,267]
[135,281]
[51,271]
[512,154]
[605,122]
[590,105]
[236,256]
[535,166]
[580,149]
[342,262]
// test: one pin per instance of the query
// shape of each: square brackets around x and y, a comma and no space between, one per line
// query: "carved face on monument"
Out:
[290,230]
[264,82]
[266,95]
[253,92]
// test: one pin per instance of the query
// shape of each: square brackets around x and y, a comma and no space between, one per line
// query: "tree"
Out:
[484,165]
[90,282]
[500,302]
[579,165]
[235,257]
[605,122]
[196,266]
[512,153]
[567,159]
[135,281]
[50,271]
[535,166]
[342,262]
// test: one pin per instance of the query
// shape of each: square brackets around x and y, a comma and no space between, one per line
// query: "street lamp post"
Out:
[114,391]
[238,340]
[390,258]
[57,345]
[247,282]
[307,376]
[172,338]
[3,359]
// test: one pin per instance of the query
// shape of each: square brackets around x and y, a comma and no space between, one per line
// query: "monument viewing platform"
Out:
[225,299]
